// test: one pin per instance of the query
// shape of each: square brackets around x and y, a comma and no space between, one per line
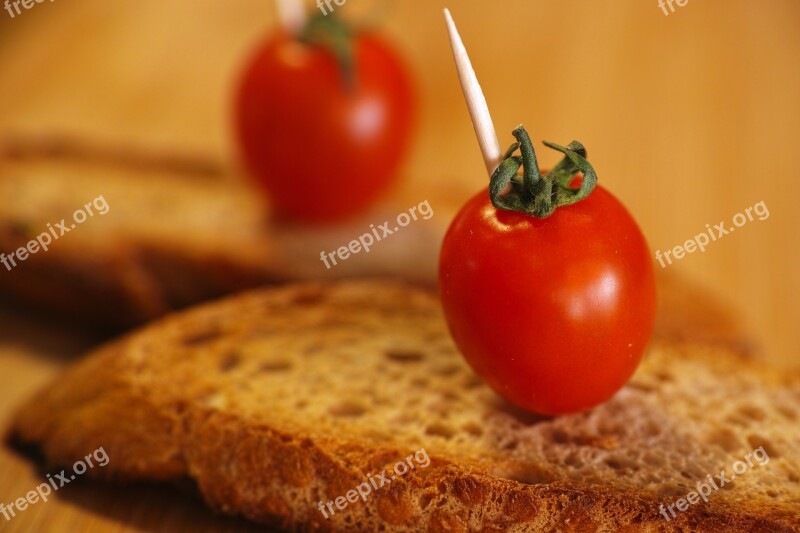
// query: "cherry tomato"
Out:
[553,313]
[323,148]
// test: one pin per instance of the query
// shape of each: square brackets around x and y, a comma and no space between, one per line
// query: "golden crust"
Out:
[186,398]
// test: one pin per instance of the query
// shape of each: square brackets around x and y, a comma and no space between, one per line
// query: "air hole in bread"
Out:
[419,382]
[440,430]
[473,429]
[725,439]
[451,395]
[313,349]
[275,366]
[473,382]
[644,387]
[229,362]
[573,460]
[433,335]
[737,419]
[446,371]
[758,441]
[347,409]
[787,412]
[261,331]
[180,407]
[425,500]
[530,476]
[510,446]
[403,418]
[559,436]
[444,349]
[654,460]
[196,338]
[752,412]
[619,464]
[404,356]
[651,429]
[664,377]
[308,297]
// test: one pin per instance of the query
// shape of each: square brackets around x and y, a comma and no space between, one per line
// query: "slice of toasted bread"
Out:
[276,400]
[179,230]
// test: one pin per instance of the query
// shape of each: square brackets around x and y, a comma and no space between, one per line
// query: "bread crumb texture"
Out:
[275,400]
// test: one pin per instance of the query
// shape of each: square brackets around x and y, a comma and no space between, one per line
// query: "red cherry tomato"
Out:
[553,313]
[323,149]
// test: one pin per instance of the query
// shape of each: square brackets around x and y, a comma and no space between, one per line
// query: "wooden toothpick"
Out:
[292,14]
[476,102]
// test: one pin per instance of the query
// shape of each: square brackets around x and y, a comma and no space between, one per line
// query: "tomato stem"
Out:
[536,194]
[332,33]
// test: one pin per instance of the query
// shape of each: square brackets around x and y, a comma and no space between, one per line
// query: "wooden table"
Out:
[690,118]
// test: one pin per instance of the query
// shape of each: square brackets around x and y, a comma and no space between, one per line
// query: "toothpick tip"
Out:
[476,102]
[451,25]
[292,15]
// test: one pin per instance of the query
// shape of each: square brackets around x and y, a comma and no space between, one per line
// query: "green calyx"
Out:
[533,193]
[329,32]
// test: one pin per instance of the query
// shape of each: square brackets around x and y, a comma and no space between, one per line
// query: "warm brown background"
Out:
[689,118]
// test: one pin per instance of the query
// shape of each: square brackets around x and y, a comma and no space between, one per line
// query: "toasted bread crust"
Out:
[164,406]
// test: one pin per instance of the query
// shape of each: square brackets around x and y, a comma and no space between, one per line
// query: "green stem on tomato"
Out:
[536,194]
[332,33]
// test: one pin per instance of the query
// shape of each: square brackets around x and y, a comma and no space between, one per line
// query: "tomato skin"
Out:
[555,313]
[320,150]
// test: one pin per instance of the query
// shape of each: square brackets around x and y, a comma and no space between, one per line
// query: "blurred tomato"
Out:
[324,145]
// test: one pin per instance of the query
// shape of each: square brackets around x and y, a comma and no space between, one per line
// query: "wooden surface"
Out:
[688,118]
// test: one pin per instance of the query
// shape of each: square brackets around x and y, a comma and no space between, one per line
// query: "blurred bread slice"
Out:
[184,229]
[179,230]
[275,400]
